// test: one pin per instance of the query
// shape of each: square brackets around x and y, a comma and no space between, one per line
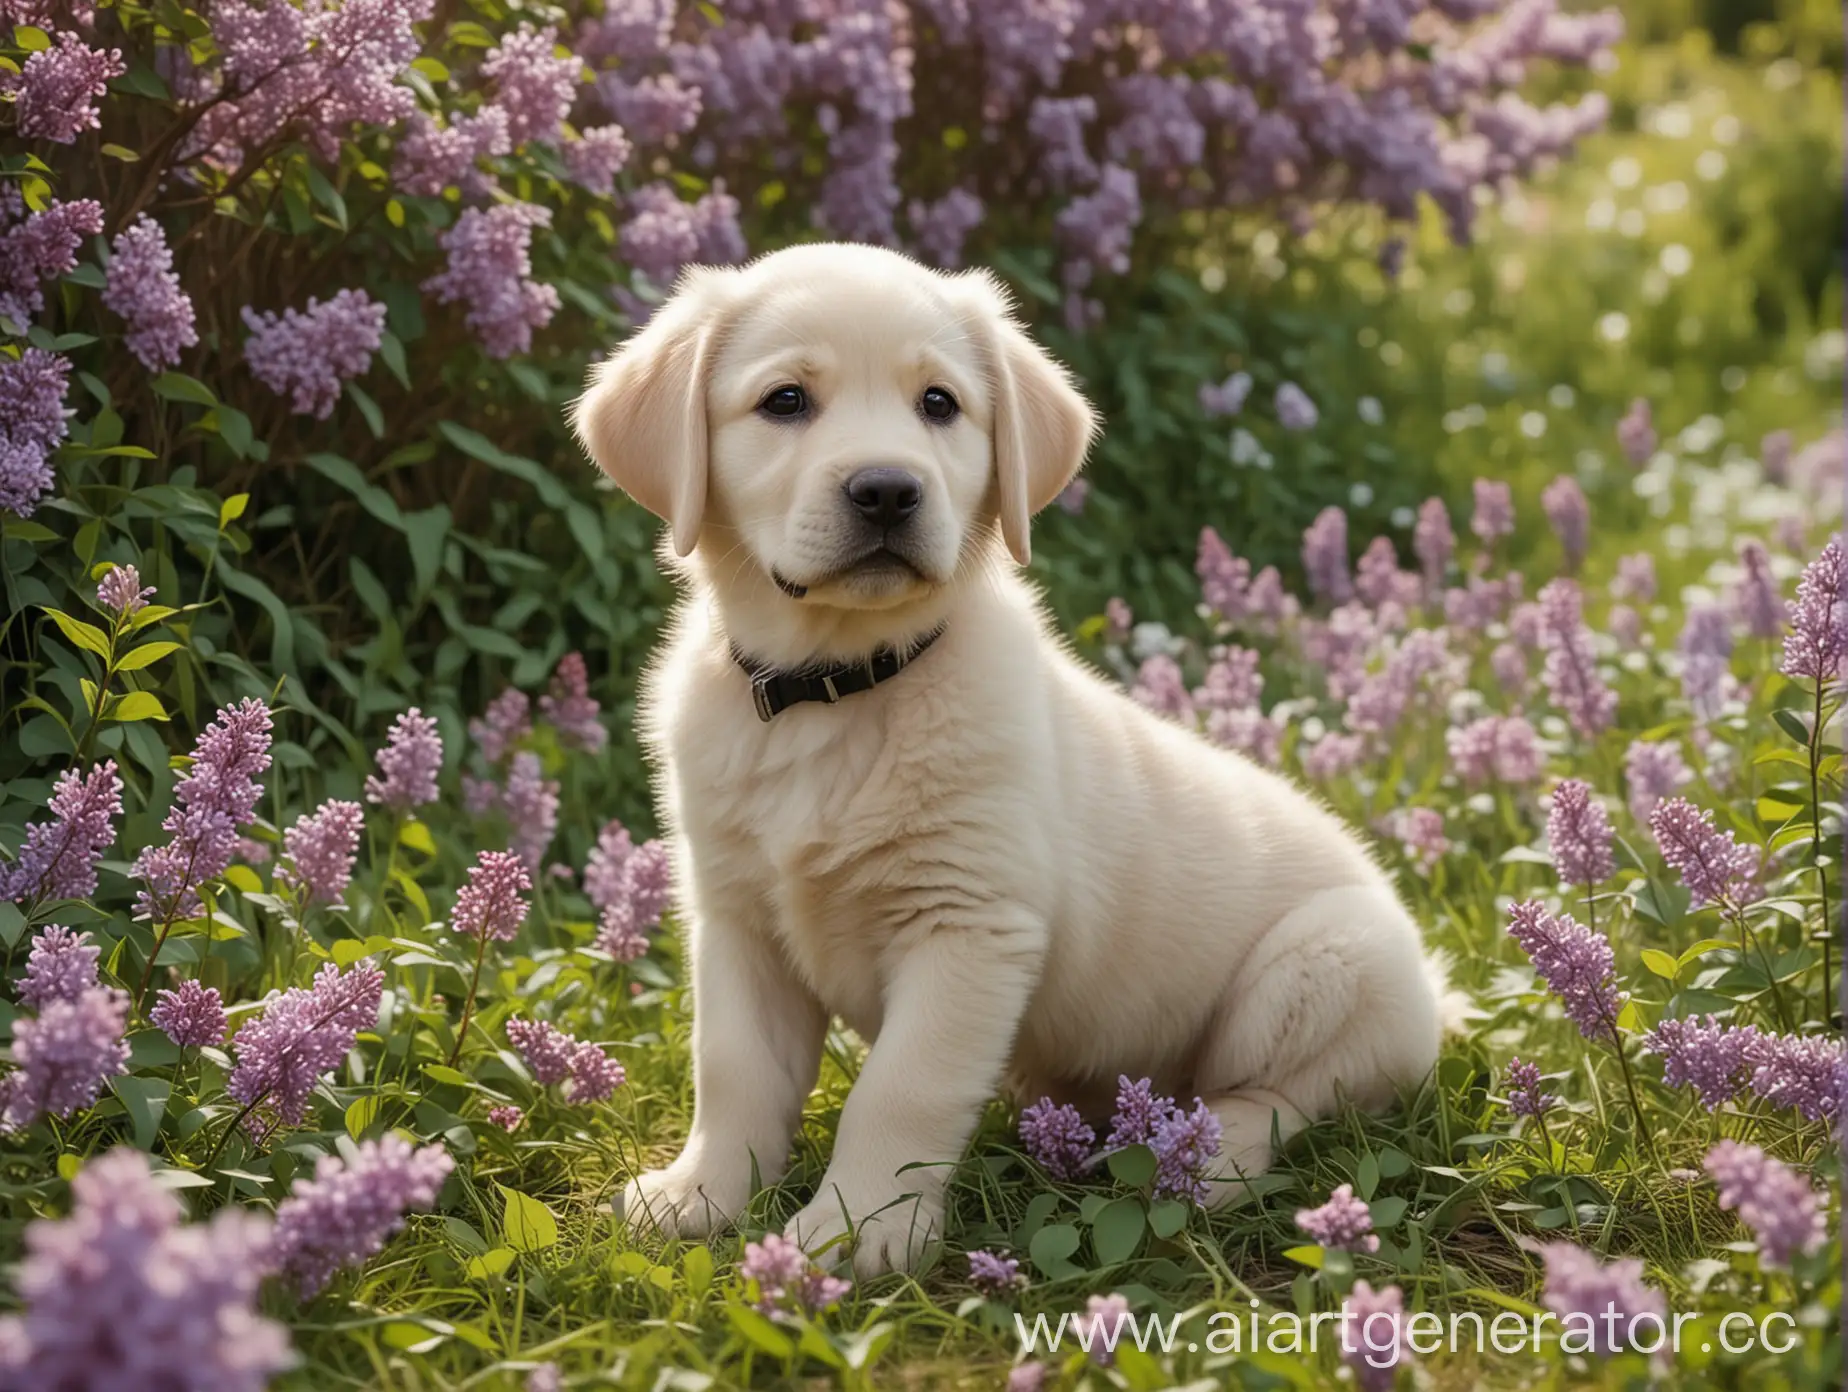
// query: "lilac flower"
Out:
[1185,1146]
[1636,578]
[1434,543]
[320,849]
[121,591]
[1508,661]
[1716,1060]
[1774,455]
[1480,602]
[1706,645]
[191,1015]
[546,1049]
[1802,1073]
[1119,619]
[1636,433]
[60,967]
[1576,964]
[1056,1138]
[1420,832]
[1233,681]
[307,354]
[301,1034]
[1494,514]
[652,110]
[1225,398]
[1325,556]
[1778,1205]
[54,94]
[529,801]
[1295,411]
[119,1294]
[1569,515]
[1579,833]
[409,763]
[1496,747]
[430,157]
[594,1075]
[787,1283]
[1527,1095]
[1101,1326]
[218,794]
[32,423]
[1757,600]
[1138,1112]
[64,1055]
[502,725]
[1586,1294]
[345,1213]
[1026,1377]
[37,247]
[489,906]
[1344,1223]
[1161,687]
[1571,672]
[1056,125]
[489,271]
[571,709]
[1333,755]
[1224,578]
[1711,863]
[994,1275]
[507,1117]
[1818,637]
[939,229]
[58,858]
[1626,627]
[141,287]
[1381,584]
[1652,772]
[1375,1338]
[1074,496]
[547,1377]
[534,87]
[596,157]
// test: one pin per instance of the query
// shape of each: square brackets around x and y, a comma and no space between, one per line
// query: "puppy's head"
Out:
[844,422]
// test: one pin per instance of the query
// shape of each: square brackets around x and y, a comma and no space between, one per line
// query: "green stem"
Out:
[468,1007]
[1822,876]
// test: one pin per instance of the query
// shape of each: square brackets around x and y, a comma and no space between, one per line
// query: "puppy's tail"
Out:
[1454,1008]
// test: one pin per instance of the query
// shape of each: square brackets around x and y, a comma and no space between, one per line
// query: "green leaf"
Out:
[138,705]
[1133,1165]
[22,529]
[1661,963]
[1307,1256]
[69,1164]
[31,38]
[177,386]
[243,879]
[362,1113]
[121,152]
[1387,1212]
[231,509]
[1168,1216]
[1052,1247]
[145,1101]
[375,418]
[490,1263]
[443,1073]
[696,1266]
[529,1224]
[373,499]
[1772,809]
[1367,1177]
[552,492]
[1699,950]
[1793,725]
[759,1332]
[427,532]
[1117,1230]
[86,636]
[417,836]
[146,655]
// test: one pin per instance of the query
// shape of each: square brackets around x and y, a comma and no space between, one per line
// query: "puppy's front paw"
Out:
[893,1232]
[680,1201]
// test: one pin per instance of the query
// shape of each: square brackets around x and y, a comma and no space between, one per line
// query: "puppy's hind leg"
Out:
[1334,1003]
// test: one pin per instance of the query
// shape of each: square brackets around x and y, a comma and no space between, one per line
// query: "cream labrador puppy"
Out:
[896,797]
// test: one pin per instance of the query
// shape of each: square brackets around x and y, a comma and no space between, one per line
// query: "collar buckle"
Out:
[760,695]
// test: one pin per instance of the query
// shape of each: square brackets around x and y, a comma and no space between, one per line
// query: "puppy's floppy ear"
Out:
[1042,426]
[643,417]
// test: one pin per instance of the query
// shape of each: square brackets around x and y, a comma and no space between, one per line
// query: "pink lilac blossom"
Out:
[489,905]
[121,592]
[408,764]
[1712,864]
[1056,1138]
[307,354]
[430,157]
[571,709]
[508,1117]
[1380,583]
[1224,578]
[120,1293]
[1493,517]
[1495,748]
[58,858]
[1073,497]
[1434,543]
[1705,646]
[217,795]
[1576,964]
[1569,514]
[1527,1095]
[1715,1059]
[505,722]
[32,423]
[1161,686]
[37,247]
[1233,681]
[1818,639]
[1784,1212]
[1636,578]
[1774,455]
[1479,602]
[320,849]
[489,271]
[552,1056]
[994,1275]
[1626,627]
[1652,771]
[1420,833]
[141,287]
[1344,1223]
[1101,1327]
[1756,599]
[1375,1337]
[1636,433]
[55,92]
[1803,1073]
[352,1205]
[301,1034]
[1508,661]
[1571,673]
[1325,556]
[191,1015]
[787,1282]
[529,801]
[1578,831]
[633,897]
[1334,754]
[1225,398]
[596,157]
[64,1055]
[547,1377]
[653,109]
[531,84]
[60,967]
[1586,1294]
[1295,411]
[664,234]
[1026,1377]
[594,1075]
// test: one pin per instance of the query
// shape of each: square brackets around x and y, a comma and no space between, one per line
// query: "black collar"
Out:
[774,691]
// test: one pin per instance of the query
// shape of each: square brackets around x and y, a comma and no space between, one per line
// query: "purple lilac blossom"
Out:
[508,1117]
[489,905]
[58,858]
[1636,578]
[1493,517]
[546,1049]
[939,229]
[505,722]
[1583,1291]
[1343,1223]
[1434,543]
[1578,830]
[1626,627]
[430,157]
[121,1294]
[1784,1212]
[1295,411]
[409,763]
[1757,600]
[64,1055]
[1325,556]
[1774,455]
[1636,433]
[1571,671]
[1508,661]
[1225,398]
[320,849]
[1712,864]
[1576,964]
[1375,1338]
[1101,1326]
[1056,1138]
[301,1034]
[1569,514]
[547,1377]
[60,967]
[307,354]
[994,1275]
[1527,1095]
[1224,578]
[787,1282]
[37,247]
[1803,1073]
[1715,1059]
[571,709]
[1420,832]
[531,84]
[1818,639]
[596,157]
[1185,1145]
[121,591]
[191,1015]
[347,1211]
[32,424]
[1162,687]
[1705,646]
[1653,771]
[141,287]
[1026,1377]
[55,92]
[529,801]
[489,271]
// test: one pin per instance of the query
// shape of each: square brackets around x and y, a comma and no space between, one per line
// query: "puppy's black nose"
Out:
[885,497]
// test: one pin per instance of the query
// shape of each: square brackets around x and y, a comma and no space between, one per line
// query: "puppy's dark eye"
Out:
[938,405]
[785,403]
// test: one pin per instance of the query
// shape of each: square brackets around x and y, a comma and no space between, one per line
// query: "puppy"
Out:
[980,855]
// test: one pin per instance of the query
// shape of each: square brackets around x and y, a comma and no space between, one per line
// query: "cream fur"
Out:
[996,868]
